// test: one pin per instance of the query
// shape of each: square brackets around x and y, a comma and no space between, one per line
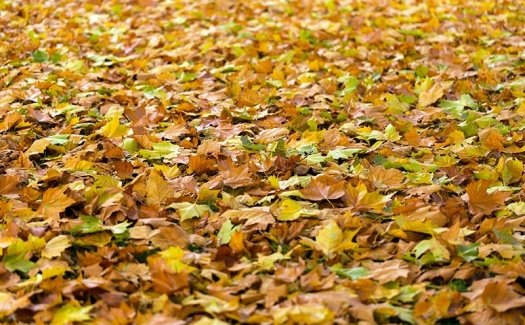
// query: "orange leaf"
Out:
[480,201]
[382,177]
[54,202]
[8,183]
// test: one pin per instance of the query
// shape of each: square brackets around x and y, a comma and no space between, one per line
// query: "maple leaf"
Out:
[54,201]
[324,187]
[480,201]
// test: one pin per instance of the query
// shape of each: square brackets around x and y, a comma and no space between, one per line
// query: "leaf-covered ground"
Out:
[262,162]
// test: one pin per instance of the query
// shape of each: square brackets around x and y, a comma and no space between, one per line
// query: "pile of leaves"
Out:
[262,162]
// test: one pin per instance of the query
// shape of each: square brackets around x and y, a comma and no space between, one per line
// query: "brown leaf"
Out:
[324,187]
[164,279]
[385,178]
[235,176]
[500,296]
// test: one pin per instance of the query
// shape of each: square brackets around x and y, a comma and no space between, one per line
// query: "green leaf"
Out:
[18,252]
[188,210]
[431,251]
[468,252]
[280,149]
[226,232]
[161,150]
[40,56]
[89,225]
[17,263]
[344,153]
[353,273]
[455,108]
[248,144]
[391,133]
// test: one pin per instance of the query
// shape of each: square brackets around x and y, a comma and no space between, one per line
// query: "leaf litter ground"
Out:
[262,162]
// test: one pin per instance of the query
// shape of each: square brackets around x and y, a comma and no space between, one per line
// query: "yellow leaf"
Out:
[329,237]
[70,313]
[157,189]
[38,147]
[113,129]
[429,96]
[289,210]
[56,246]
[174,256]
[54,202]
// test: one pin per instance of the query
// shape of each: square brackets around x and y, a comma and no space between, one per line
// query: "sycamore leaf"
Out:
[18,253]
[455,108]
[491,138]
[188,210]
[212,304]
[54,201]
[267,262]
[385,178]
[8,183]
[9,303]
[56,246]
[209,321]
[235,176]
[482,202]
[311,313]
